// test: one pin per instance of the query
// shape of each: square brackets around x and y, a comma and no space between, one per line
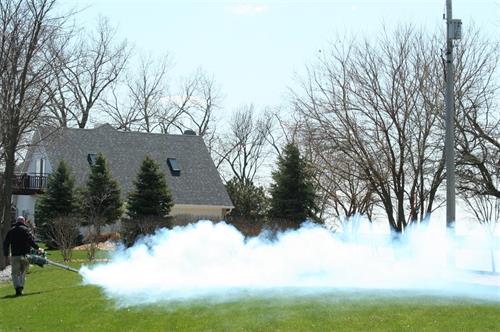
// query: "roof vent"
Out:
[189,132]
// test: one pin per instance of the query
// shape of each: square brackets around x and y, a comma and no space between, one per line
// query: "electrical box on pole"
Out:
[455,29]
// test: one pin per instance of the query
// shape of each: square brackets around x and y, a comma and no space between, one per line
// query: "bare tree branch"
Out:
[89,65]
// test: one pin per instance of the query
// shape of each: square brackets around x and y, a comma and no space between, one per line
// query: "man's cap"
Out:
[20,219]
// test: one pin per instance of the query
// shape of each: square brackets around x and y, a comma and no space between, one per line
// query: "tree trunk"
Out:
[2,232]
[5,224]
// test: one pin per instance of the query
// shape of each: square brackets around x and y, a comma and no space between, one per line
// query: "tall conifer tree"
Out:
[101,200]
[58,201]
[59,197]
[293,196]
[151,197]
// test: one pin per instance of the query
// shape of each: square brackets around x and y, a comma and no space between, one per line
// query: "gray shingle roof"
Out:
[199,182]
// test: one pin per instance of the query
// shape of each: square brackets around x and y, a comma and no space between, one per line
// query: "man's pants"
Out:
[20,266]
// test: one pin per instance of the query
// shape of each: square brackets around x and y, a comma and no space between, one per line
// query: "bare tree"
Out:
[202,110]
[479,163]
[145,104]
[91,62]
[478,131]
[379,105]
[343,190]
[26,29]
[375,108]
[244,149]
[147,96]
[194,106]
[122,115]
[478,119]
[171,116]
[56,110]
[284,128]
[63,231]
[343,195]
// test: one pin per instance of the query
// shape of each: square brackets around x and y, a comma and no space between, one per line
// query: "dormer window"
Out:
[174,166]
[91,157]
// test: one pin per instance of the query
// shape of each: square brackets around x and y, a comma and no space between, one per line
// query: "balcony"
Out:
[26,184]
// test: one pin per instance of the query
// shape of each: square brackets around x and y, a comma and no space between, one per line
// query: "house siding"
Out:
[38,153]
[25,206]
[215,213]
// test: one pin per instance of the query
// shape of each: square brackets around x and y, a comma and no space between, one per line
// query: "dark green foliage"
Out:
[59,197]
[250,202]
[101,201]
[293,196]
[151,196]
[58,201]
[149,204]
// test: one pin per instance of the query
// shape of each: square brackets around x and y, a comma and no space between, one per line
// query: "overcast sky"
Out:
[254,49]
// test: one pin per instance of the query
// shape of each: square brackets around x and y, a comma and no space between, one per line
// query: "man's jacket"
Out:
[20,239]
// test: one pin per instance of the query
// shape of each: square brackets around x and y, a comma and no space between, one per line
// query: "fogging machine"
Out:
[37,257]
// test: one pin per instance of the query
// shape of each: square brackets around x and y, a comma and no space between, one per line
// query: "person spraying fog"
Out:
[19,240]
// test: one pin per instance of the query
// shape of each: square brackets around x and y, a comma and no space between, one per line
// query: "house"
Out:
[195,183]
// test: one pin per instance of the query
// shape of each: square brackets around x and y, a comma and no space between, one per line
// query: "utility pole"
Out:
[453,32]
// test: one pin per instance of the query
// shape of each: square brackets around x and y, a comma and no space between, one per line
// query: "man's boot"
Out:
[19,291]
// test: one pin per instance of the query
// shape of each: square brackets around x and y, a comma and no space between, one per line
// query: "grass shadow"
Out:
[12,296]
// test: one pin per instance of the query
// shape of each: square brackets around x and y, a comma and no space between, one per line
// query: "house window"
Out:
[40,167]
[174,166]
[91,157]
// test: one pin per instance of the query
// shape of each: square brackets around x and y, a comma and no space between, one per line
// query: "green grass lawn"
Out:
[56,300]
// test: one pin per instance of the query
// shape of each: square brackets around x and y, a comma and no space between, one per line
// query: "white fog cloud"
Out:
[207,260]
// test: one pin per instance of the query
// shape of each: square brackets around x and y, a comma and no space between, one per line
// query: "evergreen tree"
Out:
[101,201]
[59,197]
[151,197]
[249,201]
[293,196]
[58,201]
